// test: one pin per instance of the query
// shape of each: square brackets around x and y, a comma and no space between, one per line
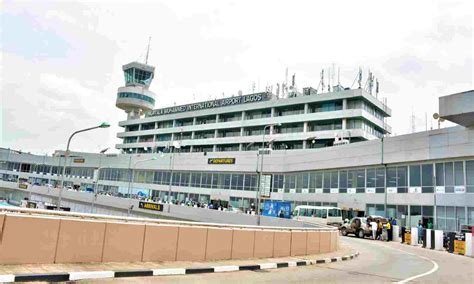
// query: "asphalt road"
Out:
[378,262]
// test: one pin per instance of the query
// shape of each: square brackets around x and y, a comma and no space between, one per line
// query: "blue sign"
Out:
[277,209]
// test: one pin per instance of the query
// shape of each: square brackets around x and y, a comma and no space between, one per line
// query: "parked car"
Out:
[359,227]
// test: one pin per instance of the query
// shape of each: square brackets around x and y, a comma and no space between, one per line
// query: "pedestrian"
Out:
[420,232]
[379,229]
[389,231]
[430,225]
[373,226]
[281,214]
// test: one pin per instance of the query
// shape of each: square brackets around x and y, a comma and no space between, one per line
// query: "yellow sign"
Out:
[221,161]
[150,206]
[23,186]
[79,160]
[408,238]
[459,247]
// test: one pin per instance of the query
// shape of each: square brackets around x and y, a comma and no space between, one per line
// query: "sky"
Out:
[61,60]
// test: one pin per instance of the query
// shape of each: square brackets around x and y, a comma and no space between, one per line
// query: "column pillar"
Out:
[344,104]
[305,126]
[217,118]
[304,144]
[243,115]
[194,120]
[306,108]
[344,123]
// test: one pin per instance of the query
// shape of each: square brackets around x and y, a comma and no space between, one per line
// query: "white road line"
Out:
[435,267]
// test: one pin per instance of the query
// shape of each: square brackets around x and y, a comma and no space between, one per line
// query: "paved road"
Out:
[379,262]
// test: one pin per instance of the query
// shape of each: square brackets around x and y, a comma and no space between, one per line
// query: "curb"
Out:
[73,276]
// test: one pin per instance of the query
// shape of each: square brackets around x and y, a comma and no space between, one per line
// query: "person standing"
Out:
[373,226]
[389,231]
[430,225]
[420,232]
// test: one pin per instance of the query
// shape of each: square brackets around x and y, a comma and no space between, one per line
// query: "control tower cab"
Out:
[135,98]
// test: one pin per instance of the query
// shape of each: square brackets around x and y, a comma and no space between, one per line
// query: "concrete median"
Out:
[60,238]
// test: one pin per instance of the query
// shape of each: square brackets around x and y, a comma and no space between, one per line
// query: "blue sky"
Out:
[61,60]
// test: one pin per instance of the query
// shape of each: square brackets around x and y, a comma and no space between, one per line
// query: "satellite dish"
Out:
[435,115]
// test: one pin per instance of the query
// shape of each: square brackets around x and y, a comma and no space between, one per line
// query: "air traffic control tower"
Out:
[135,98]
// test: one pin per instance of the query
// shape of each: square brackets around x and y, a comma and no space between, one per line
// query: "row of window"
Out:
[263,113]
[449,177]
[136,96]
[254,131]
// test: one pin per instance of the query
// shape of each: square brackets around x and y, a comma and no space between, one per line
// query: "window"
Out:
[415,178]
[402,175]
[427,178]
[334,180]
[449,177]
[470,177]
[195,179]
[458,173]
[439,174]
[343,182]
[237,182]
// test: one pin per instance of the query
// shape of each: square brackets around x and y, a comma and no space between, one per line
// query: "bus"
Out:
[318,214]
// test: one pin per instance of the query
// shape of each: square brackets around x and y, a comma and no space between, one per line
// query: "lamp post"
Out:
[171,166]
[130,182]
[261,171]
[102,125]
[94,198]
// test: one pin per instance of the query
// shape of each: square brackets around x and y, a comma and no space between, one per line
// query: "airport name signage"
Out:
[150,206]
[221,161]
[253,98]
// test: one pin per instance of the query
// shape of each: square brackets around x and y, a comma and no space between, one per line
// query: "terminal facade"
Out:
[210,151]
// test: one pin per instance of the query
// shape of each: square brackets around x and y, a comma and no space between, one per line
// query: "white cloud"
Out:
[62,61]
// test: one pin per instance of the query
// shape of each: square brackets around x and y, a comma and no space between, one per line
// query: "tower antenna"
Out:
[147,50]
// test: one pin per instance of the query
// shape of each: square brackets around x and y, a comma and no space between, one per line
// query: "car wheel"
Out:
[344,232]
[360,234]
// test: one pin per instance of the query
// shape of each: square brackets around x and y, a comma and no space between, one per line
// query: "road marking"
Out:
[90,275]
[7,278]
[226,268]
[435,267]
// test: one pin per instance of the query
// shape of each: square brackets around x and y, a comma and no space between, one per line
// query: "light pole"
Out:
[102,125]
[130,182]
[261,171]
[171,165]
[94,198]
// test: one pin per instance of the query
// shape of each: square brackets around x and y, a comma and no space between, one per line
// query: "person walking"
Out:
[379,229]
[420,232]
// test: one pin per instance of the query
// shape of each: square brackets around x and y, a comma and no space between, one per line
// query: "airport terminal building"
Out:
[320,149]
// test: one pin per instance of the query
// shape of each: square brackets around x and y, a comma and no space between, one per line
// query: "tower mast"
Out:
[147,50]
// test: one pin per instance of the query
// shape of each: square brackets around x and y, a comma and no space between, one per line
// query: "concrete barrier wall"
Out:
[57,239]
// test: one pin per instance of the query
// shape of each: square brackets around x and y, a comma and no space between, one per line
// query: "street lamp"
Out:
[261,170]
[132,176]
[171,166]
[102,125]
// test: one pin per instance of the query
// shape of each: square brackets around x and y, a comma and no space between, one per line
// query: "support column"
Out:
[306,108]
[272,112]
[344,123]
[214,148]
[215,133]
[305,126]
[243,115]
[217,118]
[304,144]
[344,104]
[194,120]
